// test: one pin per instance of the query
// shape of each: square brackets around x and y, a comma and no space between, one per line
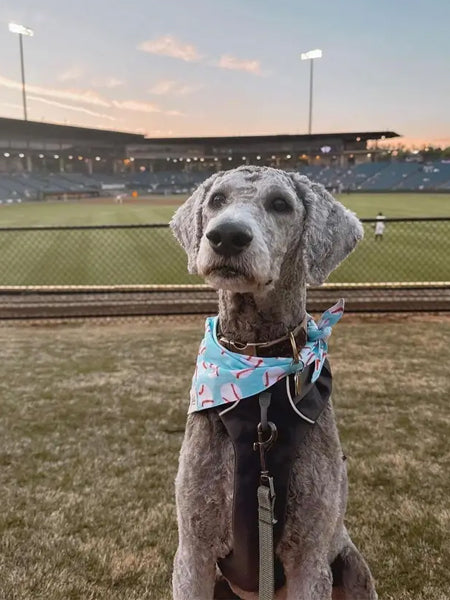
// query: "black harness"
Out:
[241,565]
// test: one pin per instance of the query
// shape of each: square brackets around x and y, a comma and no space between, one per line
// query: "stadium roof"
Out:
[347,137]
[10,128]
[36,129]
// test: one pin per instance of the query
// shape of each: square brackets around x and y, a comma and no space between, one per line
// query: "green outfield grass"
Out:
[159,209]
[89,212]
[408,252]
[367,206]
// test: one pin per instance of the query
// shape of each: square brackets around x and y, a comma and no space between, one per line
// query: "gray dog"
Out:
[259,236]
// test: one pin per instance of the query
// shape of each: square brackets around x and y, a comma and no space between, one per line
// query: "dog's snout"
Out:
[229,238]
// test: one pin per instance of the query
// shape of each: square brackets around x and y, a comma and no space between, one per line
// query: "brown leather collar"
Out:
[287,345]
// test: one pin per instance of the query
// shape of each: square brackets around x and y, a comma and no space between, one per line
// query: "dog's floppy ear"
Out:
[330,230]
[187,222]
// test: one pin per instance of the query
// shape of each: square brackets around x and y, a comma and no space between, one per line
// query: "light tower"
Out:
[21,30]
[311,55]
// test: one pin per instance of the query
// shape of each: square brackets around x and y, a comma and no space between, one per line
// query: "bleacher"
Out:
[383,176]
[389,176]
[435,176]
[367,177]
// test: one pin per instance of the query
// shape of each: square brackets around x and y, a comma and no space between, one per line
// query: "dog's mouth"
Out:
[227,272]
[229,277]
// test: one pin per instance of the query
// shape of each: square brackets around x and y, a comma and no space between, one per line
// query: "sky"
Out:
[202,67]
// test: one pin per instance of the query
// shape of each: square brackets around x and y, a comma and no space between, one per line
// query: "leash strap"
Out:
[266,502]
[266,498]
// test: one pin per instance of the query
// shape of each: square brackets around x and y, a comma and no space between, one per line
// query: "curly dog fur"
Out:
[294,242]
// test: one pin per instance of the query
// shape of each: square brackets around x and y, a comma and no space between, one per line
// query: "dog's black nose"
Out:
[229,238]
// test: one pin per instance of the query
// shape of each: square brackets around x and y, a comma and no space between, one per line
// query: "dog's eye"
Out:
[217,200]
[279,205]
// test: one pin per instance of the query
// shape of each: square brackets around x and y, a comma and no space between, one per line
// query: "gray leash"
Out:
[267,435]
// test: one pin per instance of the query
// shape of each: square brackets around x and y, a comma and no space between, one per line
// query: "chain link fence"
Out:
[91,256]
[138,259]
[409,250]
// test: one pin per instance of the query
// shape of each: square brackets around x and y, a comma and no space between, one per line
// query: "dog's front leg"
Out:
[310,580]
[203,497]
[193,574]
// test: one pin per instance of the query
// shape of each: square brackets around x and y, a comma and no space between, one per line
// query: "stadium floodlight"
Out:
[311,55]
[21,30]
[15,28]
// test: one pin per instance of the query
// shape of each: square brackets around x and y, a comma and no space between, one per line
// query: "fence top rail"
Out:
[166,225]
[82,227]
[201,287]
[404,219]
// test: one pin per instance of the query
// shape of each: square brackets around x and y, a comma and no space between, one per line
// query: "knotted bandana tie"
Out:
[222,377]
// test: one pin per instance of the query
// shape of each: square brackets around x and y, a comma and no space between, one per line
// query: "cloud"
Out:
[237,64]
[163,87]
[12,105]
[73,73]
[113,82]
[184,90]
[108,82]
[85,111]
[39,93]
[70,74]
[83,96]
[146,107]
[168,45]
[136,105]
[167,86]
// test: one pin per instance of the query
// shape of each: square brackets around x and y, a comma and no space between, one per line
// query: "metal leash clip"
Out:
[265,442]
[264,445]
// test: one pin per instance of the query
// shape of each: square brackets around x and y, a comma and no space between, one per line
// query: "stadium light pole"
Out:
[311,55]
[21,30]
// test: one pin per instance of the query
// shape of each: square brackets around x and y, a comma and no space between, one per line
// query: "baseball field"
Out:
[92,415]
[409,251]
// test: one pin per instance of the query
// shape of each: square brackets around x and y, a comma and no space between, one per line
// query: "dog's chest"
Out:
[241,564]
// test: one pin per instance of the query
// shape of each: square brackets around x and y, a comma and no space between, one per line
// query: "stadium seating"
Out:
[370,177]
[389,177]
[434,176]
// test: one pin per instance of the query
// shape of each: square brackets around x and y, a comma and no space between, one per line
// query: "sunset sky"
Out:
[202,67]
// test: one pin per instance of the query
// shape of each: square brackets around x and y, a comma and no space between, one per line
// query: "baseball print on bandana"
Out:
[223,377]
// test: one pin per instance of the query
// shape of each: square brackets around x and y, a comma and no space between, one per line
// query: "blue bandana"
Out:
[223,377]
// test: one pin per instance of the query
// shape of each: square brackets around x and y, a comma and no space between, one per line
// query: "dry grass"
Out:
[91,420]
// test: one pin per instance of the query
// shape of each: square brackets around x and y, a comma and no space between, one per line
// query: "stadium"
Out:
[42,161]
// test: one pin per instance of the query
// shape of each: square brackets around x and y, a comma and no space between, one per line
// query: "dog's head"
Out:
[241,226]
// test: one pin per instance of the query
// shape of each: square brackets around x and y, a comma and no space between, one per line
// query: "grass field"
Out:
[159,209]
[409,251]
[91,434]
